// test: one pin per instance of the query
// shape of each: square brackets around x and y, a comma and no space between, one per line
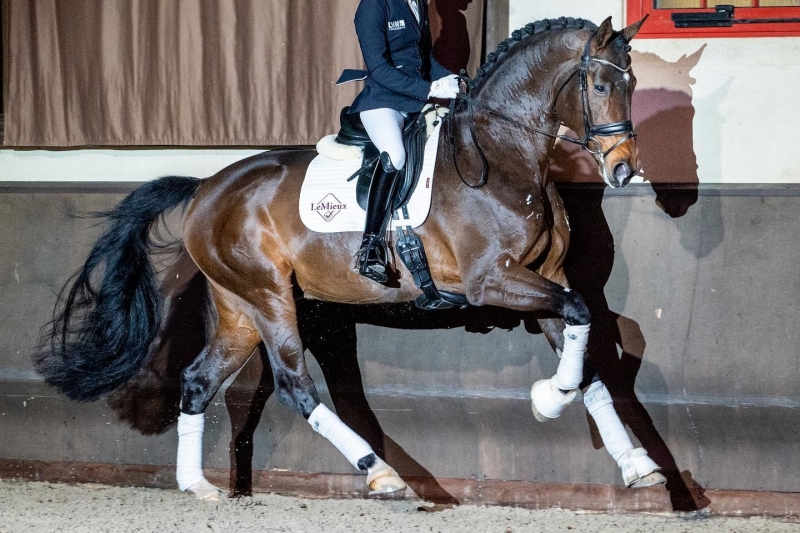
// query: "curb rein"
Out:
[590,131]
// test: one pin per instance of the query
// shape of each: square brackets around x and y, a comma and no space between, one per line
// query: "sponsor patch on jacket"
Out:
[395,25]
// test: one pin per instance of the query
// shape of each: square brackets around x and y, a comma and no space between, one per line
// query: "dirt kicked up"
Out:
[48,507]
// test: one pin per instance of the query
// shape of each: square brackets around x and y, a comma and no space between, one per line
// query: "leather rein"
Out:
[591,131]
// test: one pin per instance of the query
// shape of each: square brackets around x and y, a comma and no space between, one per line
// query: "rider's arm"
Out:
[371,26]
[437,70]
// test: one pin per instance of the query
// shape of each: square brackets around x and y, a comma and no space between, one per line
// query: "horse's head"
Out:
[595,101]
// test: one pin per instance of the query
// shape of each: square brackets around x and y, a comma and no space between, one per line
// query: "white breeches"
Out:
[385,129]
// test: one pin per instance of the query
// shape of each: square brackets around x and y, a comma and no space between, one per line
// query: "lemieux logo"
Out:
[328,207]
[395,25]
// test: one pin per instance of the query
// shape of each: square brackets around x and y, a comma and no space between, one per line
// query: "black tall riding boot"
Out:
[373,255]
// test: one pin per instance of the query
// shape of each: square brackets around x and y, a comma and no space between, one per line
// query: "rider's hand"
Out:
[446,87]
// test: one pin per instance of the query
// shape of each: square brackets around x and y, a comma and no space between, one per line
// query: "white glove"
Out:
[446,87]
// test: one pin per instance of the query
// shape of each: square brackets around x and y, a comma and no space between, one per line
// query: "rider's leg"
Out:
[385,129]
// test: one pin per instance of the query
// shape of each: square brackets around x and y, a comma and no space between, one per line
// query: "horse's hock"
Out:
[700,305]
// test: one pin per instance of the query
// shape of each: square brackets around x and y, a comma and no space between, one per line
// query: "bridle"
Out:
[590,133]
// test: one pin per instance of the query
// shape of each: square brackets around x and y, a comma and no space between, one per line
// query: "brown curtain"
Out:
[192,72]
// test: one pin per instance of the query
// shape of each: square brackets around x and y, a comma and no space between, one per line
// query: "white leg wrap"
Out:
[598,402]
[637,468]
[548,401]
[189,470]
[570,369]
[330,426]
[635,465]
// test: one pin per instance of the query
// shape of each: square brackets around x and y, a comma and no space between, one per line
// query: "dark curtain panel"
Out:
[192,72]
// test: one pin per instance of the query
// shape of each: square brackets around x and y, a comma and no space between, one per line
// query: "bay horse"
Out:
[497,233]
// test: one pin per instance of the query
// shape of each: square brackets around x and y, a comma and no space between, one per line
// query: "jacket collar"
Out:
[423,13]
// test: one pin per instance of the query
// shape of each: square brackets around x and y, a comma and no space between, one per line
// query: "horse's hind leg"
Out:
[638,469]
[232,344]
[277,324]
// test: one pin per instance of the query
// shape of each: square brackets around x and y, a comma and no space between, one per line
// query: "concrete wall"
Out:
[694,329]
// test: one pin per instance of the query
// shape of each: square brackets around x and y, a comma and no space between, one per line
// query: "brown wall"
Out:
[696,314]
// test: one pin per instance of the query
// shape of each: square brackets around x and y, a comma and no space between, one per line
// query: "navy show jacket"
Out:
[397,52]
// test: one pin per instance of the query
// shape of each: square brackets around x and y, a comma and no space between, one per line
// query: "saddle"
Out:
[352,133]
[409,246]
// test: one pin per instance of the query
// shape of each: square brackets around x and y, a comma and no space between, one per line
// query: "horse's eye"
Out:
[600,89]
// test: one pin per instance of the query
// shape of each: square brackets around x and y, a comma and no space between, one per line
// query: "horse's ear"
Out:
[603,35]
[631,31]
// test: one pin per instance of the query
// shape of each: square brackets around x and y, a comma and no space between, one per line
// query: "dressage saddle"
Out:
[353,133]
[409,246]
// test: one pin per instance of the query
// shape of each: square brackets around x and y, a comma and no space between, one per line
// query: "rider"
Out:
[395,40]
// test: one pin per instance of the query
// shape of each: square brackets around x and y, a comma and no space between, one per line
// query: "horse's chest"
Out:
[539,230]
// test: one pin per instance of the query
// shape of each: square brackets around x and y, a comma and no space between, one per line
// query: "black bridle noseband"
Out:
[591,131]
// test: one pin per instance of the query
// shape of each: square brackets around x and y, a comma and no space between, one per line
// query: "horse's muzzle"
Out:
[622,173]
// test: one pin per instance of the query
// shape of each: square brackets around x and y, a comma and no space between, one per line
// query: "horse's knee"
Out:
[576,312]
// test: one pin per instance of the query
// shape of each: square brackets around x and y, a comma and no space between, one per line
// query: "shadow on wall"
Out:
[452,45]
[617,345]
[664,125]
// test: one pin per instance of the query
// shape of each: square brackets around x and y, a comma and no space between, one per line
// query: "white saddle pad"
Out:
[328,201]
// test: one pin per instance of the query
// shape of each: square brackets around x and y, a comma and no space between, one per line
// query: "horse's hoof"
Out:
[387,485]
[383,479]
[650,480]
[547,401]
[205,491]
[638,470]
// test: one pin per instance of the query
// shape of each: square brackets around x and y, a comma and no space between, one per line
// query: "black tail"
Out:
[108,313]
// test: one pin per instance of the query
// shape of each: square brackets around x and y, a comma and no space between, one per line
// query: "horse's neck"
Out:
[508,143]
[523,90]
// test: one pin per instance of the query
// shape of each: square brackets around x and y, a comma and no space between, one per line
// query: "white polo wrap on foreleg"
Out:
[570,369]
[598,402]
[330,426]
[636,466]
[189,470]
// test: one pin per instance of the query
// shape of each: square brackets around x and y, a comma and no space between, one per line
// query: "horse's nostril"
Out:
[622,172]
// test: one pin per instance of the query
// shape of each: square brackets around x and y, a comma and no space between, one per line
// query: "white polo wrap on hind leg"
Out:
[189,469]
[330,426]
[570,369]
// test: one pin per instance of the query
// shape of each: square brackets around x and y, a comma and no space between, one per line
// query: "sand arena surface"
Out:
[49,507]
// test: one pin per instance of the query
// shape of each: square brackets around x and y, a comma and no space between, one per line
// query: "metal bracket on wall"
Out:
[721,17]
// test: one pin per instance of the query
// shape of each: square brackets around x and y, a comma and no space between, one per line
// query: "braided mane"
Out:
[521,35]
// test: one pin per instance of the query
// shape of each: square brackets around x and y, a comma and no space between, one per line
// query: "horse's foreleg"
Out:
[295,389]
[513,286]
[233,342]
[638,469]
